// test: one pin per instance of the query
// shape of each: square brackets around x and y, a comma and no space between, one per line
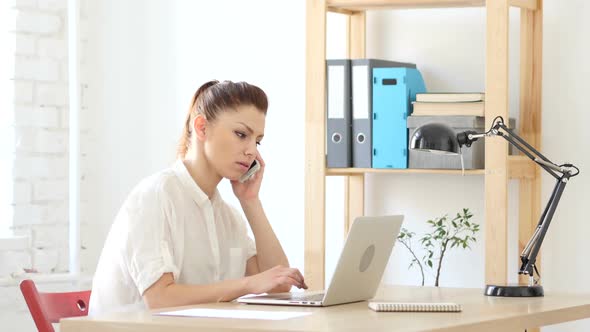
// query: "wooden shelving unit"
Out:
[354,171]
[499,167]
[519,167]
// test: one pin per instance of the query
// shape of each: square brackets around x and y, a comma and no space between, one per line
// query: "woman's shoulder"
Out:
[150,199]
[157,185]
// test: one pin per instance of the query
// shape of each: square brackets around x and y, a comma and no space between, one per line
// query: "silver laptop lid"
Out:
[363,259]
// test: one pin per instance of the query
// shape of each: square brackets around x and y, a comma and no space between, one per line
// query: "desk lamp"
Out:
[439,138]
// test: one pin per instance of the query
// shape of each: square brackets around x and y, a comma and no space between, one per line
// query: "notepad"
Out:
[415,307]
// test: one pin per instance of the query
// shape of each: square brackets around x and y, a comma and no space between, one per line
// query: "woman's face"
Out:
[232,139]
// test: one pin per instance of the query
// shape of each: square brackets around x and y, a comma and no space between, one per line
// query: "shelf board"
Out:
[360,5]
[519,167]
[351,6]
[352,171]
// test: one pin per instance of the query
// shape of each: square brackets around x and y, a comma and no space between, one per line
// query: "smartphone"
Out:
[251,171]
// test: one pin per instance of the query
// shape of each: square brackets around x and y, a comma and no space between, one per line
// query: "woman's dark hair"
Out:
[214,97]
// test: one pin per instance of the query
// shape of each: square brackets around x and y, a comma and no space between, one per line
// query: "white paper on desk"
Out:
[240,314]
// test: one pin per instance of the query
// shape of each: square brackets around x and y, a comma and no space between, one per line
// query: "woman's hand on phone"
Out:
[249,190]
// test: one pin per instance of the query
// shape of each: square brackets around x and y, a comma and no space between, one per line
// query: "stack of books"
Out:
[462,103]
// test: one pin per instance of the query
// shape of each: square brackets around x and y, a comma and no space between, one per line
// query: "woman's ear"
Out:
[200,125]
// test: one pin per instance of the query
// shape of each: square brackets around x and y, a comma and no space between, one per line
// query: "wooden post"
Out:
[531,50]
[496,154]
[530,115]
[354,193]
[315,132]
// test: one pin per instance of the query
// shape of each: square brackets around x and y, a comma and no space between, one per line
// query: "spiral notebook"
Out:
[415,306]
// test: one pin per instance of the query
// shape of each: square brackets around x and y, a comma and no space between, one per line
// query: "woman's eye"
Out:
[257,143]
[240,134]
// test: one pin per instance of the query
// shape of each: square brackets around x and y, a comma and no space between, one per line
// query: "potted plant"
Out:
[445,234]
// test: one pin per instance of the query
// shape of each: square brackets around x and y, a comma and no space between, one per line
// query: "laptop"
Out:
[358,272]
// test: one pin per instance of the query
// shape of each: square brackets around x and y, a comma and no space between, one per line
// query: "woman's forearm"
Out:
[269,251]
[170,294]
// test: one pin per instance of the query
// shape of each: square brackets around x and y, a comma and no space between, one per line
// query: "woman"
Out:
[175,241]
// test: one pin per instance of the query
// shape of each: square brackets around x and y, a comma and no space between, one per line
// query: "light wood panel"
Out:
[360,5]
[524,4]
[345,171]
[356,35]
[315,149]
[521,167]
[354,196]
[518,167]
[496,154]
[530,129]
[531,32]
[348,6]
[480,313]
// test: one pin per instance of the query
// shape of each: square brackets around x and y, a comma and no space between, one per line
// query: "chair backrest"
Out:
[47,308]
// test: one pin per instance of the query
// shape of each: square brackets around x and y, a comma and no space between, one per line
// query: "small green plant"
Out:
[446,234]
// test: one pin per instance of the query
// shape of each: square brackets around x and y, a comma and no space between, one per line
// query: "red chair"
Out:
[47,308]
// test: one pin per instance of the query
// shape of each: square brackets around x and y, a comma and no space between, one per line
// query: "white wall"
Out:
[145,59]
[565,139]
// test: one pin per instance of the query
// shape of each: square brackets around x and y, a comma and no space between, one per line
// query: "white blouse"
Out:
[168,224]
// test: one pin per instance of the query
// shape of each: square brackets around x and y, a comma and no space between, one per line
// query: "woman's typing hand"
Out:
[276,279]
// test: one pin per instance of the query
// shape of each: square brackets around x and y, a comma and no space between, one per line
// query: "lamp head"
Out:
[436,138]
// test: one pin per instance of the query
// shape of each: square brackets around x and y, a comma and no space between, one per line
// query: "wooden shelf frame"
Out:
[499,167]
[519,167]
[350,6]
[356,171]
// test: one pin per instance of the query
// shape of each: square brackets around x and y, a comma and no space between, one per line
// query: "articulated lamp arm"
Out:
[562,173]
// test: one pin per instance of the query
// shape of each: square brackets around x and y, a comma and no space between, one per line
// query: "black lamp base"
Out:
[514,290]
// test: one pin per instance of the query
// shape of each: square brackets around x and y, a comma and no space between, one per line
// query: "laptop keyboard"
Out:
[304,297]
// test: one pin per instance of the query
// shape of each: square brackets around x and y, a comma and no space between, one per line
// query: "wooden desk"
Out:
[480,313]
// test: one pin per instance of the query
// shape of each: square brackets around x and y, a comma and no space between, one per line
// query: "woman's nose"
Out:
[251,149]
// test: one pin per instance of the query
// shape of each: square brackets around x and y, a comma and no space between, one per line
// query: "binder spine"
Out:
[361,115]
[338,122]
[394,89]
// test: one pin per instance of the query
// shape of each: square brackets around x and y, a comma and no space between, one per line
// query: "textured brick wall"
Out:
[40,173]
[41,127]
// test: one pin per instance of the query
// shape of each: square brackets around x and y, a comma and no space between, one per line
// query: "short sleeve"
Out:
[245,239]
[148,250]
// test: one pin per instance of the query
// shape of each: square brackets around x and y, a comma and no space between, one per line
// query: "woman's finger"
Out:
[301,278]
[288,280]
[296,274]
[292,273]
[286,273]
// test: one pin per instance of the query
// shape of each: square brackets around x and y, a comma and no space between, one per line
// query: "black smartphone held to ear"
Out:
[251,171]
